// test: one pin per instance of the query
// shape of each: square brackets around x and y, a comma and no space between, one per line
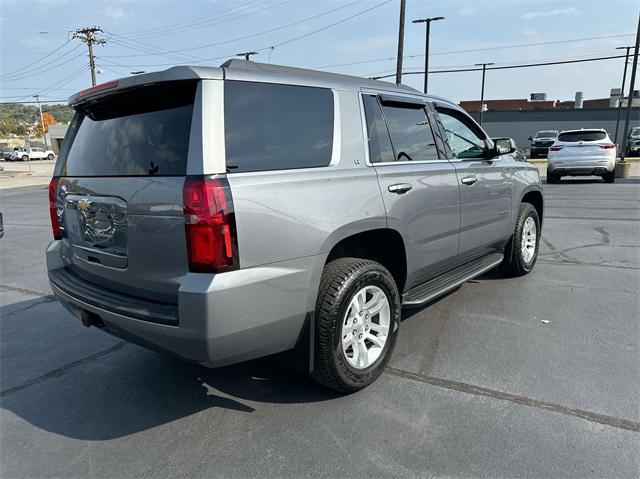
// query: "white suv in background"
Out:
[26,154]
[582,153]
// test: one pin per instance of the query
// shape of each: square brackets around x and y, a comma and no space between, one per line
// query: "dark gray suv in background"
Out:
[224,214]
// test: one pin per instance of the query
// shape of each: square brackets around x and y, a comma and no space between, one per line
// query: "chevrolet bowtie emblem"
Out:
[84,205]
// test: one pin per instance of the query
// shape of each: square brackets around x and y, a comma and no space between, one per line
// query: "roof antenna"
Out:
[246,55]
[270,50]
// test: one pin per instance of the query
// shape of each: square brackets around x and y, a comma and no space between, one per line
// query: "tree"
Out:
[48,118]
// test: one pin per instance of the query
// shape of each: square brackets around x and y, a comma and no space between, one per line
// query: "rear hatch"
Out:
[121,174]
[582,144]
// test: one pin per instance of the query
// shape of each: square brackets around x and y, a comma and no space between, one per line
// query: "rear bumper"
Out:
[221,319]
[582,167]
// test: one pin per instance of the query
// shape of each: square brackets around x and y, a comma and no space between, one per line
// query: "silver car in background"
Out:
[582,153]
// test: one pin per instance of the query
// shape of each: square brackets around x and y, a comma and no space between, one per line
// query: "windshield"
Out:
[572,136]
[635,131]
[547,134]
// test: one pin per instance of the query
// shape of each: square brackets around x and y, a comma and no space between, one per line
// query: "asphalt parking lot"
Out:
[529,377]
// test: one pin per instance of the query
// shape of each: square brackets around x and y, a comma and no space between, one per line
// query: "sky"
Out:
[356,37]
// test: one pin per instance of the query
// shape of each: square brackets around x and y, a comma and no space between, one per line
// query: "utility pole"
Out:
[88,35]
[246,55]
[623,170]
[400,43]
[624,78]
[44,133]
[484,69]
[426,48]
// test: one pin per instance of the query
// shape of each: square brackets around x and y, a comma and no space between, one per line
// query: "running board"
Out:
[441,284]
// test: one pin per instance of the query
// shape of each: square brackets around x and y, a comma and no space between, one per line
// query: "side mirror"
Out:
[530,138]
[504,146]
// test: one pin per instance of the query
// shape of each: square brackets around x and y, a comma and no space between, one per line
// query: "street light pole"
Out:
[400,43]
[624,79]
[484,69]
[624,169]
[426,48]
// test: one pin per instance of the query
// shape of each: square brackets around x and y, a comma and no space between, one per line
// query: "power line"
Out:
[221,20]
[471,65]
[37,61]
[133,45]
[264,32]
[474,50]
[31,73]
[291,40]
[507,67]
[24,102]
[313,32]
[189,24]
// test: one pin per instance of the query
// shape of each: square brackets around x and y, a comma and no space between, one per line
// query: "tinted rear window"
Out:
[140,132]
[272,127]
[582,136]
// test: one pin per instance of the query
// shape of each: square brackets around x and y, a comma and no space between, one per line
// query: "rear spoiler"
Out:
[171,74]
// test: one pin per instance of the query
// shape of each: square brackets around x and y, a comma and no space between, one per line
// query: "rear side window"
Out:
[380,150]
[410,133]
[572,136]
[139,132]
[274,127]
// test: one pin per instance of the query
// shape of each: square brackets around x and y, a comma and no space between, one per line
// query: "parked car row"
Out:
[28,154]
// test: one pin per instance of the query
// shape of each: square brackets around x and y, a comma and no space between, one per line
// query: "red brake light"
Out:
[556,148]
[210,226]
[607,146]
[102,86]
[58,232]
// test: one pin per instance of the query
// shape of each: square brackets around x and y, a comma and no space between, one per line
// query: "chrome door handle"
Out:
[468,180]
[400,188]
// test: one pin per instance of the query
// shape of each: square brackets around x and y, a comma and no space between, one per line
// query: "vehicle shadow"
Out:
[128,389]
[125,389]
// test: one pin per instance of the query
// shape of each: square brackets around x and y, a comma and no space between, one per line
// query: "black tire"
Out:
[49,156]
[513,263]
[551,178]
[25,158]
[341,280]
[609,177]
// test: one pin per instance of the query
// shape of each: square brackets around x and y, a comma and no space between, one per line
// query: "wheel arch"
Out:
[534,197]
[384,245]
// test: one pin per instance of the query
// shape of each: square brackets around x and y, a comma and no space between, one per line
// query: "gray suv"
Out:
[225,214]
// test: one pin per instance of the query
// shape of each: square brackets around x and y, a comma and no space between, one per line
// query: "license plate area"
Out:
[96,226]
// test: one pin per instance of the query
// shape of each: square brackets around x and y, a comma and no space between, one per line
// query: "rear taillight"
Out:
[607,146]
[210,225]
[556,148]
[58,232]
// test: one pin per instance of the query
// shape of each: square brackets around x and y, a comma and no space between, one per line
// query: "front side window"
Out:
[464,139]
[380,150]
[410,133]
[273,127]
